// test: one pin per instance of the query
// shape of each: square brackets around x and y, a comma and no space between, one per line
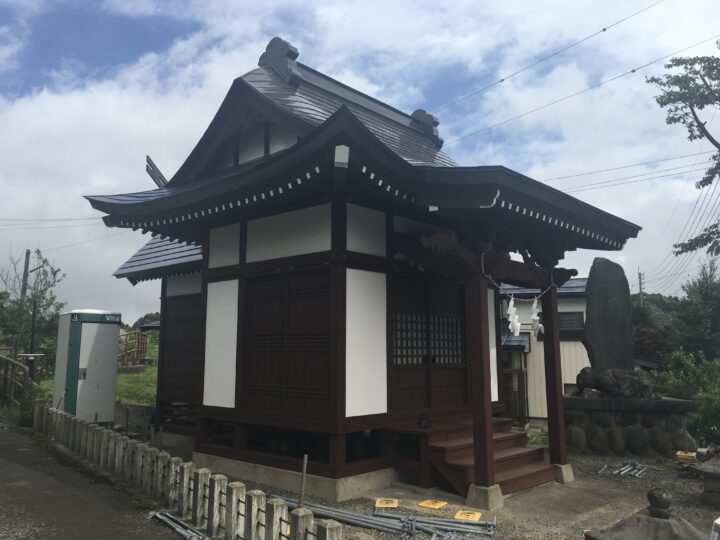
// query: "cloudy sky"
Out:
[88,88]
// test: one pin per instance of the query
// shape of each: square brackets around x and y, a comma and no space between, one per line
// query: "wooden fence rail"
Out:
[14,380]
[221,508]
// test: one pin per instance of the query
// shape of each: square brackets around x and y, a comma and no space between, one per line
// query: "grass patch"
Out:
[138,388]
[538,438]
[9,416]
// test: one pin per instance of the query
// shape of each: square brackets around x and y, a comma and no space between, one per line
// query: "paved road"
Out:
[43,495]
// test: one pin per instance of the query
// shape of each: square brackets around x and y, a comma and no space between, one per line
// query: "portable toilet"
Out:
[86,364]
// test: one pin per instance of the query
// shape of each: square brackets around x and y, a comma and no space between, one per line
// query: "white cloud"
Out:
[85,135]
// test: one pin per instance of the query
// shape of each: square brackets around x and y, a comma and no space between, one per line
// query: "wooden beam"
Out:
[478,368]
[553,377]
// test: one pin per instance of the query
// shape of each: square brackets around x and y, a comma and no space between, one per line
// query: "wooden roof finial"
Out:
[281,56]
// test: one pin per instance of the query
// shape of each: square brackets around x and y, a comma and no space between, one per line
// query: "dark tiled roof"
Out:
[522,341]
[573,287]
[315,97]
[161,257]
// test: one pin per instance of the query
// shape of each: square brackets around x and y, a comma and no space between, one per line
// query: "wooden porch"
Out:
[443,454]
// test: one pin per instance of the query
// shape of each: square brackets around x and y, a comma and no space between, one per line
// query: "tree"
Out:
[697,322]
[693,86]
[17,310]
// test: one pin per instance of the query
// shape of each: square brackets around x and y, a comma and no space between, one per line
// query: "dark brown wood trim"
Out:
[363,261]
[161,350]
[199,397]
[553,377]
[339,290]
[240,346]
[478,364]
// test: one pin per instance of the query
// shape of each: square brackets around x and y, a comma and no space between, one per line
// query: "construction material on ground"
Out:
[466,515]
[386,503]
[631,469]
[180,528]
[438,528]
[685,459]
[603,470]
[432,504]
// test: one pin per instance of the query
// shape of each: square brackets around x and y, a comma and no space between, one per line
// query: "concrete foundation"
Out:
[564,473]
[176,445]
[488,498]
[328,489]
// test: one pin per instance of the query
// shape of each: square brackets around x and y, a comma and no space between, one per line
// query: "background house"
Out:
[522,360]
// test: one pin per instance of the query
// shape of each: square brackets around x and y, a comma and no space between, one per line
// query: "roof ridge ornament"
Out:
[281,56]
[428,123]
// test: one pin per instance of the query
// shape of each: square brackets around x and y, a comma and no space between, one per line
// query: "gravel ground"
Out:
[555,512]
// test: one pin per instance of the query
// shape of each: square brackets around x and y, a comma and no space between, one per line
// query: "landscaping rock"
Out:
[626,418]
[575,438]
[617,382]
[660,441]
[602,418]
[684,441]
[675,423]
[575,418]
[649,420]
[616,441]
[597,439]
[636,439]
[608,334]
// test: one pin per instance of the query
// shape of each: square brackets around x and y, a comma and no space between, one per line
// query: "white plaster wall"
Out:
[61,361]
[366,230]
[292,233]
[573,356]
[224,249]
[365,343]
[183,284]
[492,315]
[98,355]
[221,343]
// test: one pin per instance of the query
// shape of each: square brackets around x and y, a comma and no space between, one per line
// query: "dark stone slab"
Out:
[616,440]
[575,438]
[664,405]
[660,441]
[597,439]
[636,439]
[617,382]
[642,526]
[608,326]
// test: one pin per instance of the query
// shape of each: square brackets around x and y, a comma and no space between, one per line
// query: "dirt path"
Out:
[45,496]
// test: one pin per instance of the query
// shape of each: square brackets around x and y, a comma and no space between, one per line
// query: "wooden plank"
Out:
[478,363]
[553,378]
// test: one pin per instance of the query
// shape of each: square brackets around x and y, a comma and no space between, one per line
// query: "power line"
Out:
[625,166]
[27,228]
[579,92]
[86,241]
[545,58]
[615,183]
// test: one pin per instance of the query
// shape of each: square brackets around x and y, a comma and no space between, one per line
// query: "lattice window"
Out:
[409,339]
[446,339]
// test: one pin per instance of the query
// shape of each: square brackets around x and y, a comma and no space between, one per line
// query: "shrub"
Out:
[695,378]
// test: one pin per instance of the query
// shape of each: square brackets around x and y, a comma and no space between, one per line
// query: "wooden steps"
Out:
[518,465]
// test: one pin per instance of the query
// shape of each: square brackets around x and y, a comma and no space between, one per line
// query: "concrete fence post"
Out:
[328,529]
[172,482]
[129,460]
[301,522]
[140,453]
[67,430]
[254,515]
[82,437]
[277,521]
[201,487]
[162,461]
[112,439]
[55,421]
[98,443]
[149,468]
[120,449]
[90,442]
[60,435]
[72,432]
[37,416]
[216,504]
[46,421]
[104,443]
[234,510]
[185,489]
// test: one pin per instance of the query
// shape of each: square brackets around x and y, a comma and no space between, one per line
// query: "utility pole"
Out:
[26,272]
[641,276]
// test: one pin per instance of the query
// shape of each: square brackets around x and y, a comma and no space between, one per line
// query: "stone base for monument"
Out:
[642,427]
[710,471]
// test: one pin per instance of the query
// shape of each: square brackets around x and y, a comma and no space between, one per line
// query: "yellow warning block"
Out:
[465,515]
[432,504]
[386,503]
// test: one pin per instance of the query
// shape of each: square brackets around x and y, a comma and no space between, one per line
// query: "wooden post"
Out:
[162,462]
[277,523]
[148,480]
[201,486]
[216,504]
[254,515]
[122,447]
[172,482]
[301,522]
[329,529]
[478,364]
[140,454]
[553,377]
[184,491]
[129,460]
[234,510]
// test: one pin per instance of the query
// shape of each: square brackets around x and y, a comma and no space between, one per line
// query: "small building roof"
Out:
[161,257]
[520,342]
[574,287]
